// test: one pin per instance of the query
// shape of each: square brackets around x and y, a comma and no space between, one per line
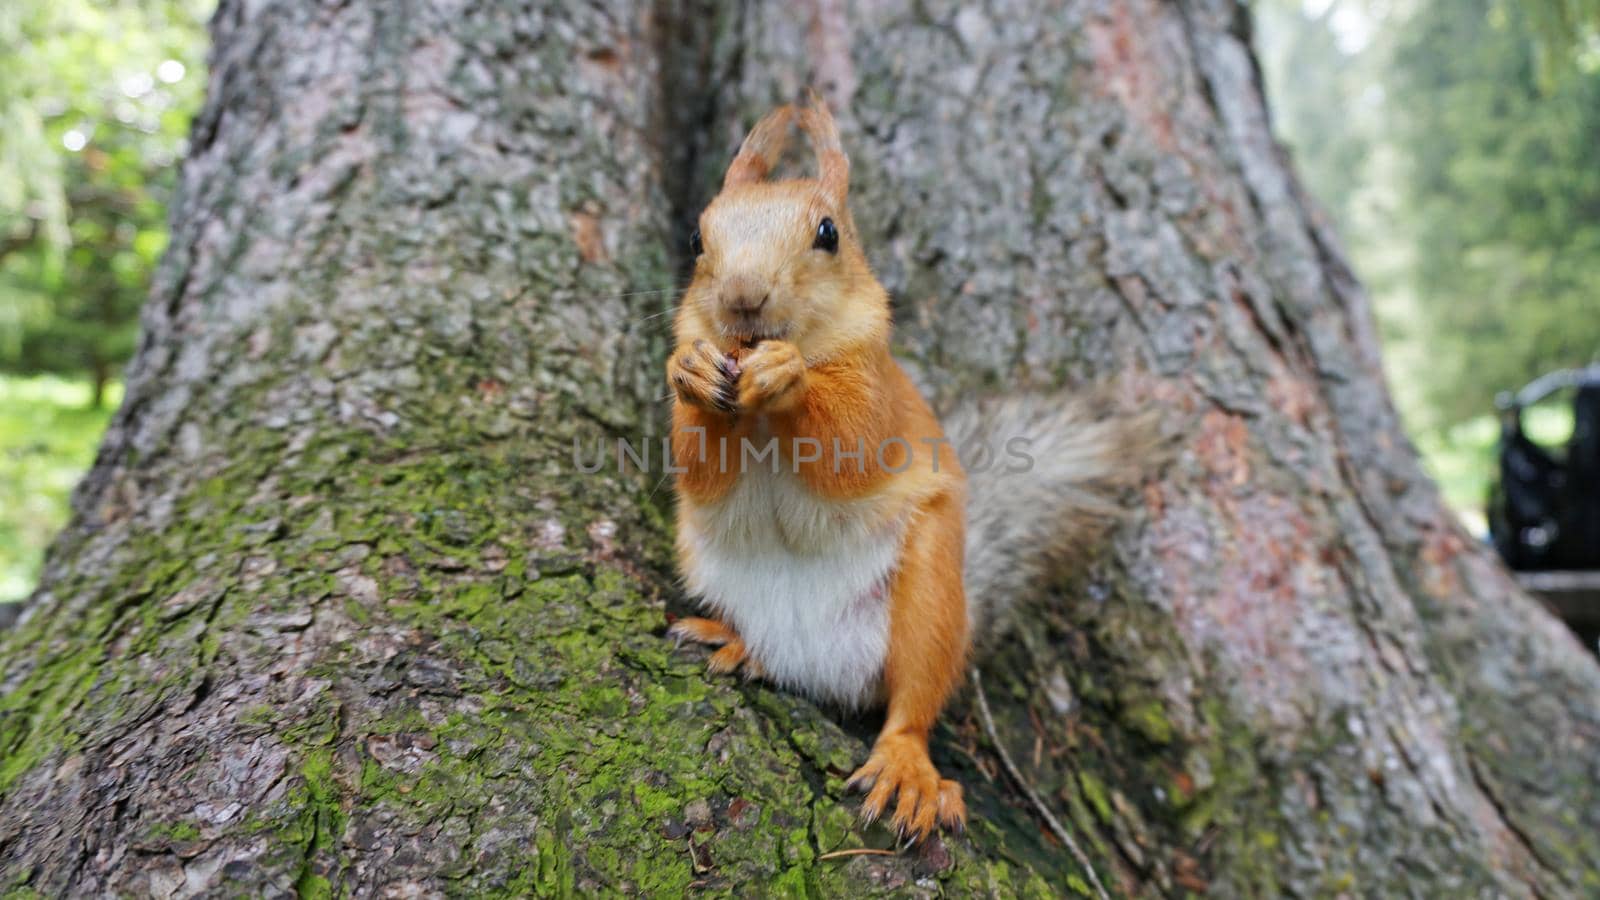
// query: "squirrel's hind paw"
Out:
[731,653]
[900,770]
[728,658]
[702,631]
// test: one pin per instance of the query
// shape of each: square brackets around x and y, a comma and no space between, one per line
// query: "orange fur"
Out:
[778,338]
[731,653]
[928,625]
[698,436]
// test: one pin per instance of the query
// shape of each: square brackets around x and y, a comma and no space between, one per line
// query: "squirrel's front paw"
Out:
[899,768]
[701,375]
[771,377]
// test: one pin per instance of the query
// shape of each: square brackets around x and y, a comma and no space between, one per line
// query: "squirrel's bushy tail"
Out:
[1059,469]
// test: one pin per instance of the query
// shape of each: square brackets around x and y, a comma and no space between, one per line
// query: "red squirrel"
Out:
[842,568]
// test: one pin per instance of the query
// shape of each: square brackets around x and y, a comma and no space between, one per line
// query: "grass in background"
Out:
[48,437]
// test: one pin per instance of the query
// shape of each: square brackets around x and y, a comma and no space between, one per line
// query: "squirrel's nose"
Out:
[747,304]
[743,295]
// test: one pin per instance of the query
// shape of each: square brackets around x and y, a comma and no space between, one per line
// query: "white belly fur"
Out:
[803,580]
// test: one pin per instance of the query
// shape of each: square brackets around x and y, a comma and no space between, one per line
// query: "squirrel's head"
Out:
[781,259]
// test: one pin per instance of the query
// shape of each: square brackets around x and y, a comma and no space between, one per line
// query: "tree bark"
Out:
[336,614]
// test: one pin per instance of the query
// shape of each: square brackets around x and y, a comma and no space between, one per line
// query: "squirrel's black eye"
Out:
[827,237]
[695,246]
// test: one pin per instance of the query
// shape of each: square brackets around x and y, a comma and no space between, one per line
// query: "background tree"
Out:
[1454,144]
[1502,193]
[95,102]
[336,615]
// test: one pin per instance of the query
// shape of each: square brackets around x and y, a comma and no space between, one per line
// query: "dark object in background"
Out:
[1544,509]
[1583,469]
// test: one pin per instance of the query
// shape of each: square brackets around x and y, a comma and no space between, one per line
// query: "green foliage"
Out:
[1456,144]
[1502,199]
[95,102]
[1568,32]
[47,440]
[1316,79]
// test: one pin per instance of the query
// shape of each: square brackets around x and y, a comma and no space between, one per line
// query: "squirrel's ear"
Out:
[761,149]
[833,167]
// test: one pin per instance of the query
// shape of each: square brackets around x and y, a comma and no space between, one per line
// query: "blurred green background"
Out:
[95,103]
[1455,144]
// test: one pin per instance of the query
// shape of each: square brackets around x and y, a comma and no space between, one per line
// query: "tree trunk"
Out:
[336,612]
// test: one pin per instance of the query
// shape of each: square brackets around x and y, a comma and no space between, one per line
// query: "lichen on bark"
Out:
[336,615]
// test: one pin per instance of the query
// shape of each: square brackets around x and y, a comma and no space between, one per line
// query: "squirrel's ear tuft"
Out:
[833,167]
[761,149]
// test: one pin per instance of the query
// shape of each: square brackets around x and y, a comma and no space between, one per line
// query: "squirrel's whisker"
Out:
[655,315]
[650,496]
[593,298]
